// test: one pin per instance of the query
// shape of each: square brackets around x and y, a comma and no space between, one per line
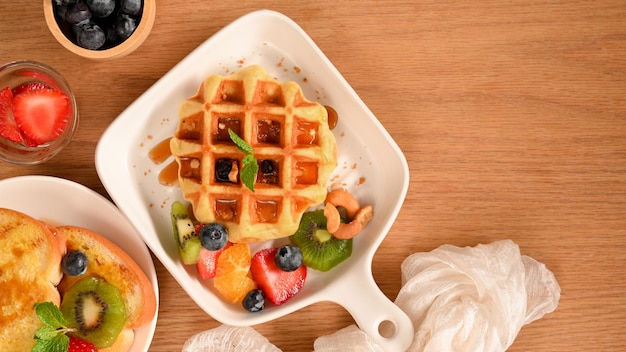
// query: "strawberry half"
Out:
[41,114]
[207,262]
[277,285]
[80,345]
[8,127]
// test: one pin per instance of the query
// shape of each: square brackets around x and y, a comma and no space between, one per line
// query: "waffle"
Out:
[292,143]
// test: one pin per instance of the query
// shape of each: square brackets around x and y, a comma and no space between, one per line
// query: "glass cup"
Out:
[19,73]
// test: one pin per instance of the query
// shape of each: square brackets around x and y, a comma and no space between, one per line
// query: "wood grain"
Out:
[511,114]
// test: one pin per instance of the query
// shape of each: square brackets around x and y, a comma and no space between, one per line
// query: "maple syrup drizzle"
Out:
[332,117]
[169,175]
[160,152]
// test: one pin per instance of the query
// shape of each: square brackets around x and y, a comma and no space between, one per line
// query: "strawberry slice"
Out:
[207,263]
[42,114]
[277,285]
[39,76]
[8,127]
[29,86]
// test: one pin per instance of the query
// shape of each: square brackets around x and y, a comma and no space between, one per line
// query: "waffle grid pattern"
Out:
[292,143]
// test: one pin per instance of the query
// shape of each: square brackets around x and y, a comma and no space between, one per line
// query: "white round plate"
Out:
[63,202]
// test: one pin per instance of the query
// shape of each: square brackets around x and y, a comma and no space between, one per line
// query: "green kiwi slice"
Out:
[95,308]
[187,239]
[320,249]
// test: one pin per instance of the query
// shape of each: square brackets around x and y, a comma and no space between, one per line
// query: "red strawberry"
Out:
[8,127]
[42,115]
[80,345]
[277,285]
[207,262]
[40,77]
[29,86]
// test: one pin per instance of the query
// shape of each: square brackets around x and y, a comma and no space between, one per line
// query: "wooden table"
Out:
[511,114]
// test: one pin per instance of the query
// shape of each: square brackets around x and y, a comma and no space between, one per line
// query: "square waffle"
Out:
[295,150]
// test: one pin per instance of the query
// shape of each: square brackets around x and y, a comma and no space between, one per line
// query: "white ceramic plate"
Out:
[371,166]
[63,202]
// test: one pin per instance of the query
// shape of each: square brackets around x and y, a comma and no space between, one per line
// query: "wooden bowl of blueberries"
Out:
[100,29]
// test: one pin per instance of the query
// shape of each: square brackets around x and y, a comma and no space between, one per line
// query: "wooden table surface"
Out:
[511,114]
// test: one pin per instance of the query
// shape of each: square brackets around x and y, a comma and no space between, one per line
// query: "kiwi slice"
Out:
[187,239]
[320,249]
[95,308]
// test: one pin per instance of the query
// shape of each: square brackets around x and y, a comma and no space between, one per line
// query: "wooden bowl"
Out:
[126,47]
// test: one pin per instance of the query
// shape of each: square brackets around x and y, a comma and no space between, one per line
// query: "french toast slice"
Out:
[109,262]
[30,267]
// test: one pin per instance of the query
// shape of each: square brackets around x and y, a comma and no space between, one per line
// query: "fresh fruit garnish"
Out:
[232,276]
[96,309]
[74,263]
[41,115]
[207,262]
[213,236]
[80,345]
[8,127]
[52,335]
[254,301]
[320,249]
[250,167]
[277,285]
[288,257]
[187,240]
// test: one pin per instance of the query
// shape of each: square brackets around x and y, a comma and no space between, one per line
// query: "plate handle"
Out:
[381,319]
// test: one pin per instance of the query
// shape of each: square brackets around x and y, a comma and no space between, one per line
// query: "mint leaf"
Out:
[59,343]
[47,332]
[50,315]
[240,143]
[249,171]
[51,336]
[249,167]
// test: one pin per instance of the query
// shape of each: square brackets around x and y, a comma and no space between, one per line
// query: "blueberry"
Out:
[213,236]
[223,167]
[254,301]
[124,26]
[101,8]
[78,13]
[74,263]
[288,257]
[65,2]
[131,7]
[90,36]
[267,166]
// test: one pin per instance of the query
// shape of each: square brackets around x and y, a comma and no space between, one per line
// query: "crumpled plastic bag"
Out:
[227,338]
[348,339]
[469,299]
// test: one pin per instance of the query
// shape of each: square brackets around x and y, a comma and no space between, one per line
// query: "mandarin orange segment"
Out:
[234,287]
[232,276]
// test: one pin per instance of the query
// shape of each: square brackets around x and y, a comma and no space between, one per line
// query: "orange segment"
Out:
[234,287]
[232,276]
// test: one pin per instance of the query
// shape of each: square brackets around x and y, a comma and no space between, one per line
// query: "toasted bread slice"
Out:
[30,267]
[109,262]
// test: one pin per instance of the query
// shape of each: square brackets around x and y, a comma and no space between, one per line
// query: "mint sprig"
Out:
[51,337]
[250,167]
